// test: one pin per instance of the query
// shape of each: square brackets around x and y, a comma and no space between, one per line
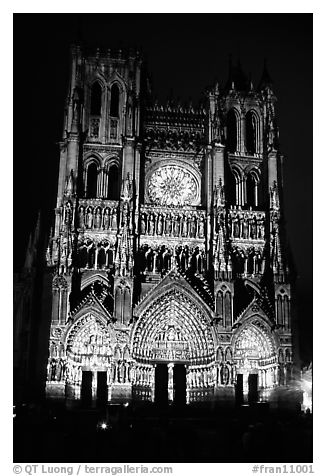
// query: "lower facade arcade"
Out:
[171,353]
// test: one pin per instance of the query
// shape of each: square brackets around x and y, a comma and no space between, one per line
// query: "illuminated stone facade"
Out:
[168,247]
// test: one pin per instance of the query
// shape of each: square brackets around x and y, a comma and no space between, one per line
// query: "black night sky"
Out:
[185,53]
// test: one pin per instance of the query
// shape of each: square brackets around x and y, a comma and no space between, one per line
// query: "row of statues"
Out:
[201,378]
[225,374]
[251,263]
[246,227]
[56,370]
[170,224]
[98,219]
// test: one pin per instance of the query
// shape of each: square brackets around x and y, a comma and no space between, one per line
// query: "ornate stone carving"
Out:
[56,332]
[172,185]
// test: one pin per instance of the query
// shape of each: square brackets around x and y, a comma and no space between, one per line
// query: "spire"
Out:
[124,256]
[219,199]
[124,259]
[266,80]
[75,117]
[237,80]
[220,264]
[277,263]
[274,197]
[70,184]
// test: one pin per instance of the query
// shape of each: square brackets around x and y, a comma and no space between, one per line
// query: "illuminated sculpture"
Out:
[169,269]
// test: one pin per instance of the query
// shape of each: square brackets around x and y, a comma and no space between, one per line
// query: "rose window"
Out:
[172,185]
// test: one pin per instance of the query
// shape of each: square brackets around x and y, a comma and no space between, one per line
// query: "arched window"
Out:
[83,257]
[113,183]
[279,310]
[231,123]
[96,99]
[101,258]
[251,191]
[228,309]
[231,189]
[110,258]
[251,133]
[115,99]
[91,184]
[219,304]
[91,257]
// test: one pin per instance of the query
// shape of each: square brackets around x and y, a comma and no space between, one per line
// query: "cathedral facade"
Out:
[170,275]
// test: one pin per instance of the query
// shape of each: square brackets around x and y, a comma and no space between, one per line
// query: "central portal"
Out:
[170,384]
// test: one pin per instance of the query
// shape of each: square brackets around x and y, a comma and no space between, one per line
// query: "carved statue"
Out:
[151,225]
[89,218]
[143,224]
[193,227]
[68,214]
[183,225]
[236,229]
[201,228]
[81,217]
[53,370]
[253,233]
[176,230]
[114,218]
[168,224]
[98,219]
[106,219]
[245,229]
[275,203]
[159,225]
[219,195]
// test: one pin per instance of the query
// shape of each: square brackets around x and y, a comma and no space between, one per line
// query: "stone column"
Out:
[94,387]
[170,382]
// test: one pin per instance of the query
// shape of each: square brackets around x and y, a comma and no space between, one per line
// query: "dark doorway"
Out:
[86,388]
[179,384]
[239,390]
[161,384]
[253,388]
[102,389]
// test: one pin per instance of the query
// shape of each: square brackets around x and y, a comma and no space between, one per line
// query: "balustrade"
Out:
[163,259]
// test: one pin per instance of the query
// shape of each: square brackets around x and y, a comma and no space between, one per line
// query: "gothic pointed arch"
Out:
[232,125]
[172,325]
[91,180]
[254,342]
[115,100]
[88,340]
[96,98]
[92,278]
[251,132]
[113,182]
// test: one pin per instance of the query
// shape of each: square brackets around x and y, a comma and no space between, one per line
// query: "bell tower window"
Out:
[91,183]
[252,190]
[95,110]
[114,112]
[115,99]
[113,183]
[251,133]
[96,99]
[232,142]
